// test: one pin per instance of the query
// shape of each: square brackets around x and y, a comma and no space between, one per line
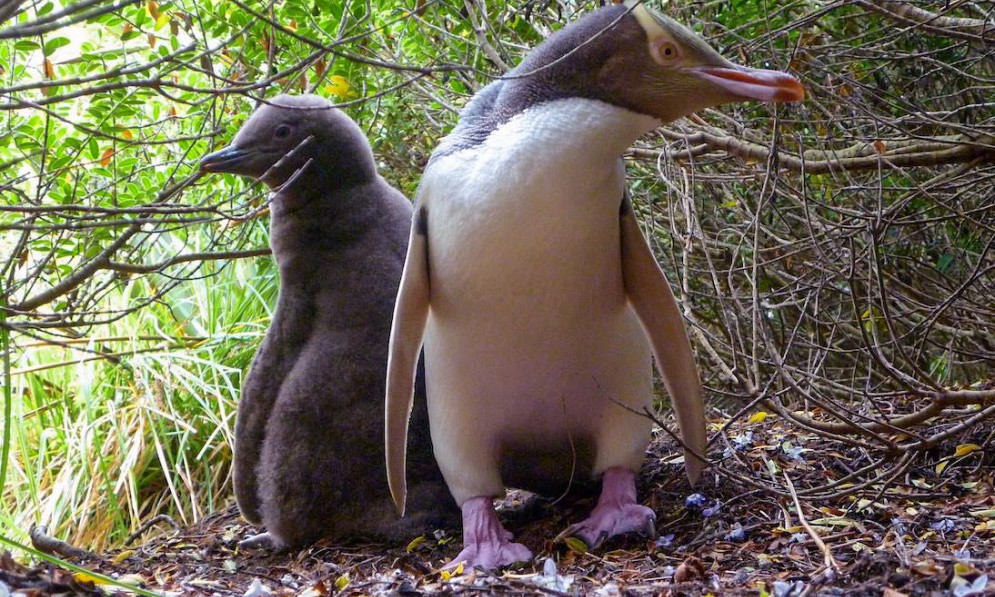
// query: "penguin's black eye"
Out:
[282,131]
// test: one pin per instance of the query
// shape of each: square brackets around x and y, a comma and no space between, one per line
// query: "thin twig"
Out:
[829,562]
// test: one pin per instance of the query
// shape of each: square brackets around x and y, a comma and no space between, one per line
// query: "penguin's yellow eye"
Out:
[668,51]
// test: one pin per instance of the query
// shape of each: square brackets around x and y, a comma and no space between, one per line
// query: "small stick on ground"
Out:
[45,543]
[148,524]
[829,562]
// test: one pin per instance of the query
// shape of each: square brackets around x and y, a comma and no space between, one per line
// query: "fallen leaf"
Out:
[757,417]
[576,545]
[415,543]
[342,582]
[963,569]
[446,574]
[131,579]
[85,577]
[689,570]
[965,449]
[927,568]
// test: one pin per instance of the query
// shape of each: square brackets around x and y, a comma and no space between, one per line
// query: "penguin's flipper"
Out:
[406,334]
[650,295]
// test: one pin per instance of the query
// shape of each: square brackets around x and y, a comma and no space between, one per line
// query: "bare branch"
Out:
[905,12]
[862,156]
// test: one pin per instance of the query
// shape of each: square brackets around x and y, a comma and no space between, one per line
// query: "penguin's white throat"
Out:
[579,128]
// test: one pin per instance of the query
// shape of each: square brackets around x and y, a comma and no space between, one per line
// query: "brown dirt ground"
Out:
[929,533]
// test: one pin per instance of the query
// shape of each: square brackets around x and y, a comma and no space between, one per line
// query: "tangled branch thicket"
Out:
[838,265]
[834,258]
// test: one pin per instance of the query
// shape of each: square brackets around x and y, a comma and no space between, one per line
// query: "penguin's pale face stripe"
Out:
[671,44]
[691,75]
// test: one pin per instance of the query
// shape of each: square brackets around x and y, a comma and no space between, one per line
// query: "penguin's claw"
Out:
[607,521]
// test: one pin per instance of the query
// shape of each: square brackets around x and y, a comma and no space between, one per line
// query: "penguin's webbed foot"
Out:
[486,544]
[616,513]
[606,522]
[264,541]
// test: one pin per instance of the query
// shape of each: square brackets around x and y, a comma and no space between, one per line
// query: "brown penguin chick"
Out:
[309,450]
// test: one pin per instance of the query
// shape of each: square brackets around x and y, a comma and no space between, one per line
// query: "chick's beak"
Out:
[753,83]
[230,159]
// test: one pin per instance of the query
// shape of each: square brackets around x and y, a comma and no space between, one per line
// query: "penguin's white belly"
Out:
[531,345]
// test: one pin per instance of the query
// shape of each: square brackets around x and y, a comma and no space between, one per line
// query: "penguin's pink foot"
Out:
[486,544]
[616,513]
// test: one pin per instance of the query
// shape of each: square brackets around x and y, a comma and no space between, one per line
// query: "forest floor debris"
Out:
[931,531]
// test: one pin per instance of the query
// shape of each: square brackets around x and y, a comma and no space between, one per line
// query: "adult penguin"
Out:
[538,300]
[308,438]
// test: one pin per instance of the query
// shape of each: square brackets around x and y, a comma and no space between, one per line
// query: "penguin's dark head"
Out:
[296,136]
[634,57]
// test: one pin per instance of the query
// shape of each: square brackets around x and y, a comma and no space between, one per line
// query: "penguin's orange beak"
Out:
[752,83]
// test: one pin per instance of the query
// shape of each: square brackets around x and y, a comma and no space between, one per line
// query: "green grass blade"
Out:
[101,578]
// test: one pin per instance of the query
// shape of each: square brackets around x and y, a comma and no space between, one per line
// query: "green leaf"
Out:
[342,582]
[54,44]
[576,545]
[944,262]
